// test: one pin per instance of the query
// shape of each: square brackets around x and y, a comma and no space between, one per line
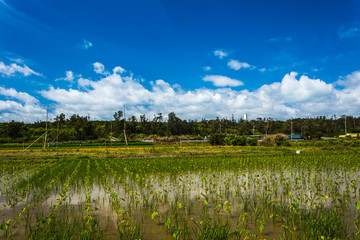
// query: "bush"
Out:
[217,139]
[240,141]
[234,140]
[229,139]
[355,143]
[286,144]
[275,140]
[252,141]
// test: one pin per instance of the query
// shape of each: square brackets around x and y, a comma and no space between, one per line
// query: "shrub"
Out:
[235,140]
[252,141]
[217,139]
[272,140]
[286,144]
[229,139]
[239,141]
[355,143]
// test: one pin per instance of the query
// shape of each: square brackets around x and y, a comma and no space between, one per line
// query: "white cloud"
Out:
[351,80]
[101,97]
[348,33]
[207,68]
[236,65]
[304,89]
[221,54]
[118,70]
[100,69]
[262,69]
[82,82]
[19,106]
[291,96]
[17,60]
[69,77]
[222,81]
[23,97]
[13,68]
[85,44]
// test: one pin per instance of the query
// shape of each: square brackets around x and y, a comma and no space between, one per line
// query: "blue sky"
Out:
[201,59]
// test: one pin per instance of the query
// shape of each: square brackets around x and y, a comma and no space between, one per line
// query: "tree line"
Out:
[83,128]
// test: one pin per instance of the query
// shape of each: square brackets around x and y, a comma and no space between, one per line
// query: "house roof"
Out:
[294,136]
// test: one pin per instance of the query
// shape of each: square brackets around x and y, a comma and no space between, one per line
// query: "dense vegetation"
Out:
[83,128]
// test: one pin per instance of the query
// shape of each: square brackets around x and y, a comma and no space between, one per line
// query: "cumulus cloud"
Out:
[100,97]
[236,65]
[69,77]
[100,69]
[118,70]
[82,82]
[351,80]
[348,33]
[222,81]
[13,68]
[85,44]
[19,106]
[23,97]
[111,92]
[221,54]
[304,89]
[292,96]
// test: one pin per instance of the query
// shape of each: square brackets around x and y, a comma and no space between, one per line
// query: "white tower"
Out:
[245,116]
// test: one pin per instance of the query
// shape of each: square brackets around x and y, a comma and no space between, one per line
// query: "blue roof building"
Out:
[294,136]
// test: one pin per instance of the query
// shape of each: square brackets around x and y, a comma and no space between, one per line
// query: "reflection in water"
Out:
[105,198]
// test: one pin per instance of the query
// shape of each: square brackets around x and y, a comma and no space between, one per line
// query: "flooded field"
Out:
[273,196]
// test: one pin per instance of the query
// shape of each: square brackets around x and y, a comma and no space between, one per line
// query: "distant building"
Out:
[259,137]
[296,137]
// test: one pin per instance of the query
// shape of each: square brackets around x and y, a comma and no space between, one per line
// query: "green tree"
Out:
[217,139]
[174,124]
[118,115]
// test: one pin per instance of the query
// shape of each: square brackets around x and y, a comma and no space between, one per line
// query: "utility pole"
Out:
[47,113]
[345,126]
[253,129]
[57,135]
[127,145]
[291,131]
[110,133]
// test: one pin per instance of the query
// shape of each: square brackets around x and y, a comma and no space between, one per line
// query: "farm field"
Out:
[192,192]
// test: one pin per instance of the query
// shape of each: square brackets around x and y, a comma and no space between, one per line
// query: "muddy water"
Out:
[195,196]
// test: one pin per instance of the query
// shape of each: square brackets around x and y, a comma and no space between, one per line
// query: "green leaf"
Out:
[154,215]
[358,205]
[250,233]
